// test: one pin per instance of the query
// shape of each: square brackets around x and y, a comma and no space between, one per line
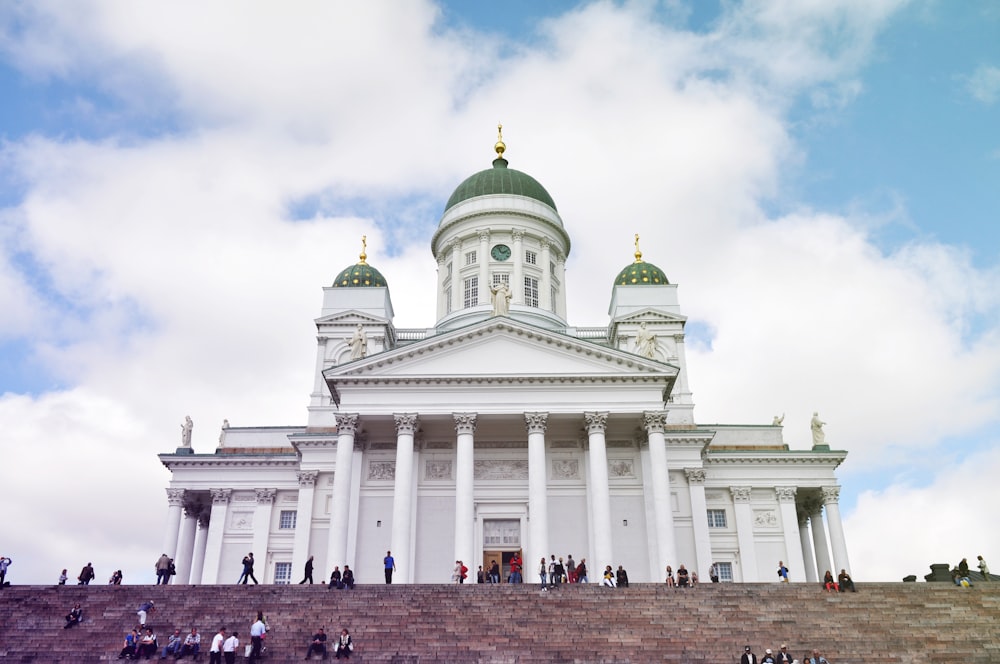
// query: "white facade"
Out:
[490,434]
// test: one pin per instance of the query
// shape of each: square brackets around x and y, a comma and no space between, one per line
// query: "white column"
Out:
[484,266]
[185,544]
[744,532]
[545,288]
[456,279]
[402,497]
[465,427]
[213,543]
[336,550]
[681,390]
[699,521]
[600,492]
[303,521]
[561,290]
[831,496]
[819,540]
[517,279]
[175,502]
[794,560]
[538,503]
[198,559]
[262,529]
[663,510]
[442,260]
[807,549]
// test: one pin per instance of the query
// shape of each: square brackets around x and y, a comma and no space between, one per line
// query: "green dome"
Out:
[361,275]
[641,273]
[500,180]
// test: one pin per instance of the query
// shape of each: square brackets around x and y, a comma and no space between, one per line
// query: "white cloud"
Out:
[984,84]
[903,529]
[193,293]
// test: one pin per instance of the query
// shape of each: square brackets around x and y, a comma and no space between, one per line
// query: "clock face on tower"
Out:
[500,252]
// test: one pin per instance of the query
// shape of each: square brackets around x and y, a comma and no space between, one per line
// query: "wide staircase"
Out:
[906,623]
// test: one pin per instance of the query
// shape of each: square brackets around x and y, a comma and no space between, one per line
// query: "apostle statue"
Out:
[222,434]
[645,342]
[776,422]
[359,343]
[819,438]
[500,296]
[186,428]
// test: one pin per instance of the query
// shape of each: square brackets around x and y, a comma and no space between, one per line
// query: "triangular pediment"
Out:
[649,315]
[350,317]
[502,347]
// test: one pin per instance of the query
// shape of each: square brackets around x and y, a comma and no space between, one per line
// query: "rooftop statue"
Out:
[186,428]
[359,343]
[500,296]
[819,438]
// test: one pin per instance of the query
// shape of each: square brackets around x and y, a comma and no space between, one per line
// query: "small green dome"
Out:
[361,275]
[641,273]
[500,180]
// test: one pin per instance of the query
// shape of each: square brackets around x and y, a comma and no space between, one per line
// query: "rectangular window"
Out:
[716,518]
[499,277]
[470,258]
[447,296]
[531,258]
[282,573]
[448,273]
[286,521]
[471,297]
[531,291]
[552,299]
[725,571]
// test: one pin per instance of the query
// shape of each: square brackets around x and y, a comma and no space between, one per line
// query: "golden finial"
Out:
[638,254]
[500,147]
[364,248]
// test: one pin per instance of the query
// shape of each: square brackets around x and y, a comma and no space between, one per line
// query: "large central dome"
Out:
[500,180]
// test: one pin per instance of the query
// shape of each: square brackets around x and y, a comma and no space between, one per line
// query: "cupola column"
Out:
[336,550]
[456,281]
[794,560]
[517,278]
[465,428]
[484,266]
[545,296]
[666,549]
[538,505]
[402,497]
[600,495]
[744,532]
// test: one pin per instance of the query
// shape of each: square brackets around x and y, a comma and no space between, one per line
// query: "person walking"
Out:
[162,569]
[86,575]
[5,563]
[247,570]
[257,632]
[309,572]
[390,566]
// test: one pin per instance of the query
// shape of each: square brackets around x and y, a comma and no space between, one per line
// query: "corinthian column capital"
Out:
[536,422]
[465,422]
[654,420]
[221,496]
[347,423]
[405,422]
[175,497]
[596,422]
[831,494]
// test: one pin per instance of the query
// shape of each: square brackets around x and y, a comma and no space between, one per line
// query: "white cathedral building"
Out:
[502,429]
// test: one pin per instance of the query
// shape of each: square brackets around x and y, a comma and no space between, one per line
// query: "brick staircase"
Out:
[901,623]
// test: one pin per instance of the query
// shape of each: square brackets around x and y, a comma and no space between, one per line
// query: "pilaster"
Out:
[744,532]
[216,528]
[699,520]
[794,559]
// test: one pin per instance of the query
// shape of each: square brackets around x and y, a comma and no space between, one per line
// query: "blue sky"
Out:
[821,179]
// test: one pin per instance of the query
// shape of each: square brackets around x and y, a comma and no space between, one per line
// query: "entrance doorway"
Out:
[502,559]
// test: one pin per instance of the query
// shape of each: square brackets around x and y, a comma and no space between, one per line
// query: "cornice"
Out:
[743,457]
[283,461]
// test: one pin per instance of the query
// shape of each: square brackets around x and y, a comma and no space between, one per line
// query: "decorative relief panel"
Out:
[620,444]
[500,469]
[765,519]
[382,445]
[244,497]
[565,469]
[715,495]
[501,444]
[241,520]
[621,468]
[437,470]
[382,470]
[329,480]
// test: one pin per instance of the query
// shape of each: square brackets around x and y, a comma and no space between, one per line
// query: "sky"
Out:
[178,181]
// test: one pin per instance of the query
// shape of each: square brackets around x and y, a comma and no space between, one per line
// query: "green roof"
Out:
[361,275]
[641,274]
[500,180]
